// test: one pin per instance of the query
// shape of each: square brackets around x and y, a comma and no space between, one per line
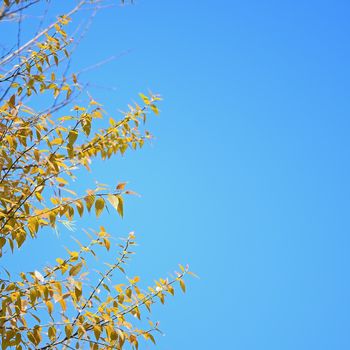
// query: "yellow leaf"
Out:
[52,333]
[182,285]
[61,180]
[89,201]
[107,243]
[113,199]
[30,336]
[75,269]
[121,186]
[74,256]
[151,337]
[72,136]
[49,306]
[57,141]
[63,304]
[78,108]
[117,203]
[68,329]
[2,242]
[60,261]
[145,99]
[80,207]
[12,101]
[154,109]
[120,206]
[32,295]
[99,205]
[97,332]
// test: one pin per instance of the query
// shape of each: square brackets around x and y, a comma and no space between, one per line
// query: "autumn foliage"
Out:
[41,150]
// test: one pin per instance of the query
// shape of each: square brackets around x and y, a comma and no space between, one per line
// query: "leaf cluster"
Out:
[40,153]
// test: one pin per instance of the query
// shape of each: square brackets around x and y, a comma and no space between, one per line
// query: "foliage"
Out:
[40,152]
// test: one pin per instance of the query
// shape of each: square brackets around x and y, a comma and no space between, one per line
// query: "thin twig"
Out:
[43,32]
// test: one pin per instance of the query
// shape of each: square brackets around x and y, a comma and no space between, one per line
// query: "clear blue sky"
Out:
[247,179]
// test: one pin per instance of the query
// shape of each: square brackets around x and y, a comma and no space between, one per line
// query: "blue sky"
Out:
[247,179]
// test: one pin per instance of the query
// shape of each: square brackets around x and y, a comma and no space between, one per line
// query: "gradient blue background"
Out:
[247,179]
